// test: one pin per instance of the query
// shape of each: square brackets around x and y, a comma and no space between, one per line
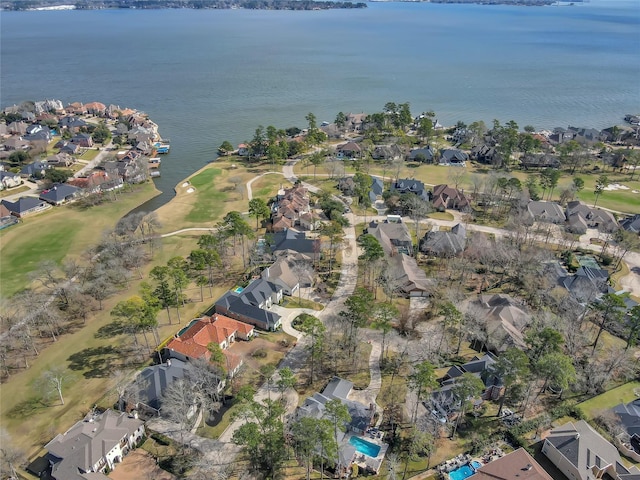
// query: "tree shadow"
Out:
[96,361]
[28,407]
[111,330]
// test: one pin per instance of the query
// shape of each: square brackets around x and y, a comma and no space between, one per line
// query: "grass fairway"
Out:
[622,394]
[205,197]
[59,233]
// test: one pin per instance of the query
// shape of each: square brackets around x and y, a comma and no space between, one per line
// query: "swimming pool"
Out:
[464,471]
[362,446]
[238,289]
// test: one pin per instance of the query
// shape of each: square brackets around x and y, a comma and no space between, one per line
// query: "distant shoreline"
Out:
[58,5]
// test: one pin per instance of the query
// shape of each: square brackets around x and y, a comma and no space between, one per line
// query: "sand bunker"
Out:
[191,190]
[616,186]
[185,184]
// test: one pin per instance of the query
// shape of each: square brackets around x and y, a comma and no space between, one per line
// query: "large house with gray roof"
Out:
[550,212]
[409,185]
[581,453]
[445,244]
[580,217]
[252,303]
[93,446]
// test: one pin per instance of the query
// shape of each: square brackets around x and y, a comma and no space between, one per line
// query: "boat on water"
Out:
[155,174]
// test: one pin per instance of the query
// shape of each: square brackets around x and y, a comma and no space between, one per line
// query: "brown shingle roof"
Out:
[517,465]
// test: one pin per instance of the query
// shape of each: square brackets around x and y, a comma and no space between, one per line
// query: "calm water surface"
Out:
[208,76]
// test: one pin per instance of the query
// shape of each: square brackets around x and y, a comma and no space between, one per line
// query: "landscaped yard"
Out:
[622,394]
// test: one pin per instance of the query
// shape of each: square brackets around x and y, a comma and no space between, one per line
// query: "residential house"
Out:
[446,197]
[443,399]
[37,133]
[243,150]
[355,122]
[97,181]
[295,241]
[151,384]
[25,206]
[193,343]
[61,160]
[453,157]
[505,321]
[95,108]
[9,180]
[93,446]
[631,224]
[76,108]
[539,160]
[377,188]
[4,131]
[83,140]
[69,148]
[34,170]
[461,135]
[347,186]
[410,279]
[290,206]
[45,106]
[590,135]
[550,212]
[561,135]
[518,464]
[252,303]
[349,150]
[587,283]
[72,123]
[361,419]
[387,152]
[423,155]
[282,273]
[445,244]
[581,453]
[393,237]
[580,217]
[16,143]
[18,128]
[628,441]
[408,185]
[60,193]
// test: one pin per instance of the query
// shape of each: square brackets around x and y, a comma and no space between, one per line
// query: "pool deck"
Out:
[365,461]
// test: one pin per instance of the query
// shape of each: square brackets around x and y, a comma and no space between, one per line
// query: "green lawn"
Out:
[59,233]
[622,394]
[267,186]
[211,199]
[89,154]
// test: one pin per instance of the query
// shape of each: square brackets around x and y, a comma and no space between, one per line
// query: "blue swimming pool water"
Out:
[463,472]
[238,289]
[365,447]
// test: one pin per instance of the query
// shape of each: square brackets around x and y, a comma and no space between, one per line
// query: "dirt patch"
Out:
[274,351]
[139,465]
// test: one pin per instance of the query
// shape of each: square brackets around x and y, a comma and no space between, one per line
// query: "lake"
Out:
[206,76]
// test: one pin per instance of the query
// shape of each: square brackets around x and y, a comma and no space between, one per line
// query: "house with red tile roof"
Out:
[218,329]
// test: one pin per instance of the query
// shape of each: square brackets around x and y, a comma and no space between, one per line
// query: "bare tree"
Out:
[54,380]
[237,182]
[10,456]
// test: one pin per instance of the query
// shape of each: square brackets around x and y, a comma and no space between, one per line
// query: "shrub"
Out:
[161,439]
[259,353]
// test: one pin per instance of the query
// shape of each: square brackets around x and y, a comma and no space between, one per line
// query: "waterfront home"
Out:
[91,448]
[355,121]
[95,108]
